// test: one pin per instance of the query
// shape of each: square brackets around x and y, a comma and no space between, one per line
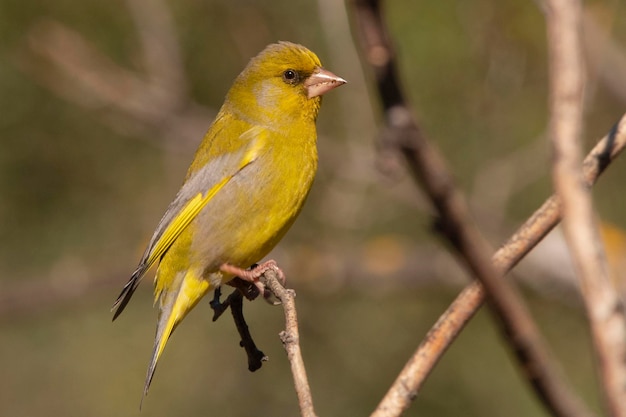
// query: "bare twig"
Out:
[291,341]
[467,303]
[604,308]
[290,336]
[429,169]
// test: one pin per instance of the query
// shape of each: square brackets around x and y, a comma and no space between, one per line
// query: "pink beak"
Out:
[321,82]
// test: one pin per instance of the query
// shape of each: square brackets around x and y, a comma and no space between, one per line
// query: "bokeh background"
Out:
[101,106]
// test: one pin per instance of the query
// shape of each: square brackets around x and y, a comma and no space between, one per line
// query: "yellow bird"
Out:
[245,187]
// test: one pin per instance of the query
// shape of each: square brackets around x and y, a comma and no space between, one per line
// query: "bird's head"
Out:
[281,85]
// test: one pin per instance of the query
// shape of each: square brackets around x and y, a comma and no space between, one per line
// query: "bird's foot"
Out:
[216,305]
[252,275]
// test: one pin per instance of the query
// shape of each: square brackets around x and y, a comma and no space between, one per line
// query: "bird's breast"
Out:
[251,213]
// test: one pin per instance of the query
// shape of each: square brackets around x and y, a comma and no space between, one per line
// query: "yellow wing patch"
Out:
[196,204]
[177,225]
[182,220]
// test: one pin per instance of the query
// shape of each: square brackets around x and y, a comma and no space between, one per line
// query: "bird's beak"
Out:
[321,82]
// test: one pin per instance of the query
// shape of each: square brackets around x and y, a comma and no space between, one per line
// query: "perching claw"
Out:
[252,275]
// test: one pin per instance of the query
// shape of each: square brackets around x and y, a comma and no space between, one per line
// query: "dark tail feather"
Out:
[153,364]
[128,290]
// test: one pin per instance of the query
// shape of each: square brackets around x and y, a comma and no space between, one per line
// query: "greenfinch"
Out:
[244,189]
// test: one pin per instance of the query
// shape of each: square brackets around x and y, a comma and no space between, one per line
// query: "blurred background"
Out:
[102,104]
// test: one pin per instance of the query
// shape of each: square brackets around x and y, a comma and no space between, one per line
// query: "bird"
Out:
[246,185]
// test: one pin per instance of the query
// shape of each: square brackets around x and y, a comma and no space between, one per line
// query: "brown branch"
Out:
[290,336]
[604,308]
[429,169]
[291,341]
[449,325]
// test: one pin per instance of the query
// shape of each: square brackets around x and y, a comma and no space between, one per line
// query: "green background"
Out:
[82,186]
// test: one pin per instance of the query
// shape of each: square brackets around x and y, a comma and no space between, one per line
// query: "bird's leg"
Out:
[255,356]
[235,302]
[216,305]
[252,275]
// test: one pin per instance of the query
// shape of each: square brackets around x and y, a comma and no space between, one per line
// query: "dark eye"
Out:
[291,76]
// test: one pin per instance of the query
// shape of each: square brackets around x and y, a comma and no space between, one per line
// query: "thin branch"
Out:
[604,308]
[290,337]
[453,320]
[291,341]
[429,169]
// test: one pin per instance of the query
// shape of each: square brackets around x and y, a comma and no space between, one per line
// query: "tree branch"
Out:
[291,341]
[459,313]
[429,169]
[290,336]
[604,308]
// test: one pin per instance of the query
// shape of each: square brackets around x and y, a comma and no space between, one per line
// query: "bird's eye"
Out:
[291,76]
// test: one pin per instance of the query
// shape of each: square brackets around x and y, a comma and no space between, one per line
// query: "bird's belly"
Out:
[250,215]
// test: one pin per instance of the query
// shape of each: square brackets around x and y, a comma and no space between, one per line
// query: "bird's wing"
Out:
[190,200]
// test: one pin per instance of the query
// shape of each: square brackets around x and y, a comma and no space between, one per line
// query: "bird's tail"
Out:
[176,299]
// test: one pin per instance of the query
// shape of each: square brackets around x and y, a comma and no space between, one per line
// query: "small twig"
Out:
[291,341]
[429,169]
[235,302]
[453,320]
[604,308]
[290,336]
